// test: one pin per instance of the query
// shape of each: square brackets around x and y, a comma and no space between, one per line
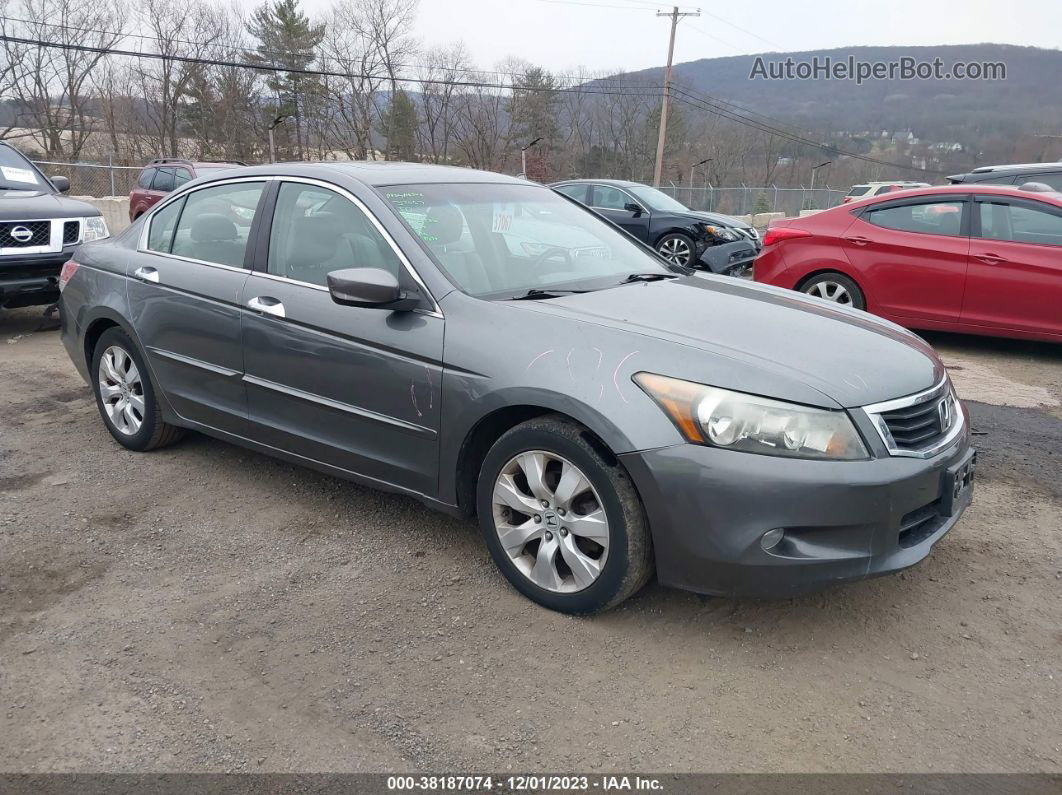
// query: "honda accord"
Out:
[493,349]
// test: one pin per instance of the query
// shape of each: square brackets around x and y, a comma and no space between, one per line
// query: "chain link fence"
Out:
[104,179]
[748,199]
[93,179]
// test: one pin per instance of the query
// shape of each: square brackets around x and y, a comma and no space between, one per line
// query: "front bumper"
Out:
[31,280]
[728,256]
[843,521]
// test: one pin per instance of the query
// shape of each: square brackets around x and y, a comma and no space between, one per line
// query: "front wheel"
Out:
[678,249]
[565,526]
[835,287]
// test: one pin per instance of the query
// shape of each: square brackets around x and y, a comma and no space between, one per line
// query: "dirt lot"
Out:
[206,608]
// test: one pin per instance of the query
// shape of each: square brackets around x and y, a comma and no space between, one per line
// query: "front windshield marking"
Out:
[15,171]
[500,240]
[658,200]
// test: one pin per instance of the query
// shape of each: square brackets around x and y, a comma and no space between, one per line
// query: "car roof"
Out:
[617,183]
[378,173]
[959,188]
[1011,168]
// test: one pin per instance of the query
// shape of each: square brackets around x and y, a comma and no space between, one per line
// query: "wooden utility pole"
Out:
[675,15]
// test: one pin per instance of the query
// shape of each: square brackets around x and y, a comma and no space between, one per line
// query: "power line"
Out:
[745,31]
[702,102]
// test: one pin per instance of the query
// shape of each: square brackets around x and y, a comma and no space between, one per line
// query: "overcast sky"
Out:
[625,34]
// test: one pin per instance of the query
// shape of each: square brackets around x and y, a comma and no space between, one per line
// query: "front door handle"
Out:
[267,305]
[147,274]
[990,259]
[859,240]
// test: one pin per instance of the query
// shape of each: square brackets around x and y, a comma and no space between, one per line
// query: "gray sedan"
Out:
[493,349]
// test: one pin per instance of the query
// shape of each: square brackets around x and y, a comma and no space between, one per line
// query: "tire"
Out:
[621,555]
[141,427]
[827,285]
[671,246]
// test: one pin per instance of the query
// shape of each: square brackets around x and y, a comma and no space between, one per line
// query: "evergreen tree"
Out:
[400,126]
[287,39]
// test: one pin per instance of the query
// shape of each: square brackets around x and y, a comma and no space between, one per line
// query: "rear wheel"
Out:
[565,526]
[125,395]
[835,287]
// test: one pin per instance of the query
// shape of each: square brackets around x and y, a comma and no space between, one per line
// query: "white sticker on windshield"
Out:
[503,217]
[18,174]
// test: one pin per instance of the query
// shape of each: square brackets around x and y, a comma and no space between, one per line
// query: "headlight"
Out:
[736,421]
[721,232]
[95,229]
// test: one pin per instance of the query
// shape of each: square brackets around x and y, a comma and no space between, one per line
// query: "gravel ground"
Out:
[205,608]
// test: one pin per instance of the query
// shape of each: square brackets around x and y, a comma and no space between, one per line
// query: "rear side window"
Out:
[1020,224]
[1000,181]
[164,180]
[577,192]
[859,190]
[146,176]
[930,218]
[609,198]
[163,222]
[181,176]
[216,223]
[316,231]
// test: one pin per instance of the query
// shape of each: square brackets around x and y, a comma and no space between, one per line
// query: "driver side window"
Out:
[316,231]
[608,198]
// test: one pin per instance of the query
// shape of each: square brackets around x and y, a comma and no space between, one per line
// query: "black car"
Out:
[682,236]
[39,230]
[1019,174]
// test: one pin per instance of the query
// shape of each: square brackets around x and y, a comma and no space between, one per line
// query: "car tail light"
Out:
[847,199]
[69,269]
[776,234]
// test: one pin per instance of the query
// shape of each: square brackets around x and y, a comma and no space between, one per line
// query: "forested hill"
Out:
[1028,101]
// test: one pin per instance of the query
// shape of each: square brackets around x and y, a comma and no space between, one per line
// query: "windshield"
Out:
[658,200]
[502,241]
[16,173]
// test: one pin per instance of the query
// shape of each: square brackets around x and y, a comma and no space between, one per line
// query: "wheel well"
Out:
[662,235]
[93,334]
[821,271]
[488,430]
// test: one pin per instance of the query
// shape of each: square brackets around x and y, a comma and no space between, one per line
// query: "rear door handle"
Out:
[859,240]
[147,274]
[267,305]
[990,259]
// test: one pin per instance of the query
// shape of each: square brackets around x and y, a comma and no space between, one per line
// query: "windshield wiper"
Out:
[648,277]
[536,294]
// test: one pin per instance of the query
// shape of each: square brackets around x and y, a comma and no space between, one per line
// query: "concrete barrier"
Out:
[759,220]
[115,210]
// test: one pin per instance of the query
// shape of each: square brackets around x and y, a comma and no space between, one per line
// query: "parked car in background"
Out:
[980,259]
[39,230]
[1017,174]
[680,235]
[164,175]
[491,348]
[868,189]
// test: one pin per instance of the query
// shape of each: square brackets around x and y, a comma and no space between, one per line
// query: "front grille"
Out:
[71,232]
[919,525]
[24,234]
[920,425]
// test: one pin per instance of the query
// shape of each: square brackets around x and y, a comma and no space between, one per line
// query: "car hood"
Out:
[715,218]
[846,356]
[32,205]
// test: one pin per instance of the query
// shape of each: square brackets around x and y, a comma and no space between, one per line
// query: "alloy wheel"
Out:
[121,390]
[675,250]
[550,521]
[831,291]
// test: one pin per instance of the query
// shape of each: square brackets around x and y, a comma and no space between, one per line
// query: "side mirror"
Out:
[371,288]
[633,208]
[62,184]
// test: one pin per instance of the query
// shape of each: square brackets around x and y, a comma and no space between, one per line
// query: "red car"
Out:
[164,175]
[978,259]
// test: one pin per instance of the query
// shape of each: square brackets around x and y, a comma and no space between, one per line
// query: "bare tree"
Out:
[441,72]
[51,84]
